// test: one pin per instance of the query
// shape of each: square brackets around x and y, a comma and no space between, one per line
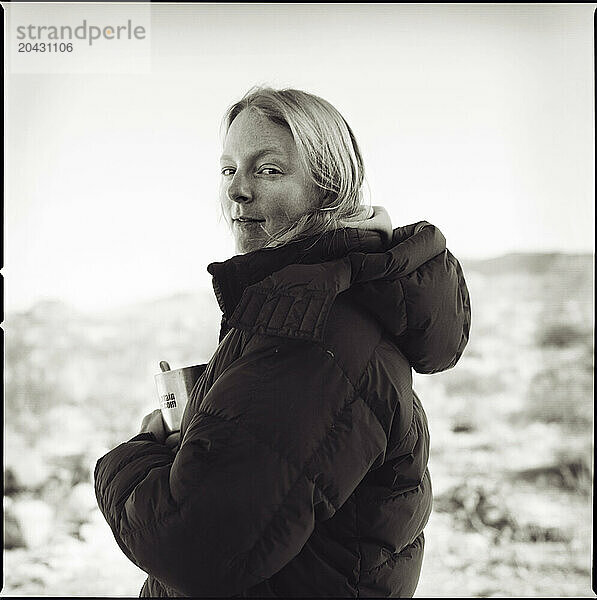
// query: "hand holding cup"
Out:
[154,423]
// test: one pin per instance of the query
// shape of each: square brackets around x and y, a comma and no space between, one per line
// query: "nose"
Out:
[239,189]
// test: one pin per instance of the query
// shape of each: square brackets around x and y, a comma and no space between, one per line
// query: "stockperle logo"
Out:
[84,32]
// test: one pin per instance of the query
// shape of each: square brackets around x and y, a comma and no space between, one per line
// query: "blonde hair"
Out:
[327,148]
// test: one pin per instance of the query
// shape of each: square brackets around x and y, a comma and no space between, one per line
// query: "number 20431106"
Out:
[45,47]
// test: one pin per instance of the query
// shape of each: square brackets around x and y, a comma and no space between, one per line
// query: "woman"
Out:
[302,463]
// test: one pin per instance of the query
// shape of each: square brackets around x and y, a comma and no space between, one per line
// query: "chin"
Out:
[246,246]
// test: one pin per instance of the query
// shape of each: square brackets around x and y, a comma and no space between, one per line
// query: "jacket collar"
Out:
[413,286]
[232,277]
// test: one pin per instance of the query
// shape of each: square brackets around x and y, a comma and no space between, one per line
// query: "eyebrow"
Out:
[260,153]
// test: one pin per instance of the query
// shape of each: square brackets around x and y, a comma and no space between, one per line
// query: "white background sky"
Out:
[477,118]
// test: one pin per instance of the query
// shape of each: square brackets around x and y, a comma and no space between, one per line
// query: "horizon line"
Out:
[27,306]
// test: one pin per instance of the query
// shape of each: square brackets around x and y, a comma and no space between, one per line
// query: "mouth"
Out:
[247,220]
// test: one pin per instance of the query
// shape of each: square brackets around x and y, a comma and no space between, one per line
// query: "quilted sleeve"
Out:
[280,441]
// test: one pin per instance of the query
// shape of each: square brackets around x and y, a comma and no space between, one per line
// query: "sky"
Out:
[477,118]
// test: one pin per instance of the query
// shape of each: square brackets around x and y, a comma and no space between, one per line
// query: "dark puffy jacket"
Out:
[302,468]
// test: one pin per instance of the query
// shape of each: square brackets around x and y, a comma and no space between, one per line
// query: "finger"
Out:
[151,417]
[158,420]
[156,415]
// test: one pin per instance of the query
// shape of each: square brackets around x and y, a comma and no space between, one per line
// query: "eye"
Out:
[227,171]
[269,171]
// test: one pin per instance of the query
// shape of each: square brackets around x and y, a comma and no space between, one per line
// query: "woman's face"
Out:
[264,187]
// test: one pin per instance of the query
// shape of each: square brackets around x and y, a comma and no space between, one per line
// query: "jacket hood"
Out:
[411,284]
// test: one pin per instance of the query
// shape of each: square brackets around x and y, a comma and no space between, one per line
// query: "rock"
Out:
[29,469]
[11,484]
[13,536]
[35,519]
